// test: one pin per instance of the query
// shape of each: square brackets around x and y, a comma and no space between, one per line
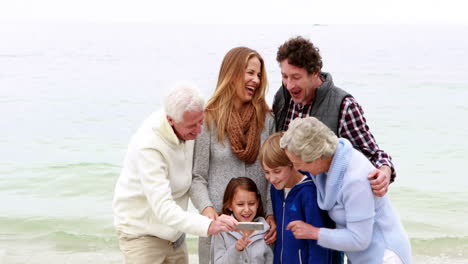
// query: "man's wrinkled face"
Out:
[315,167]
[189,127]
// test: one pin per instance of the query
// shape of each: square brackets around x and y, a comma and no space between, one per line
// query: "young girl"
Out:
[242,200]
[293,197]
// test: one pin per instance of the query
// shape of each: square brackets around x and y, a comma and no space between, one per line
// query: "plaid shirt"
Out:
[353,127]
[294,111]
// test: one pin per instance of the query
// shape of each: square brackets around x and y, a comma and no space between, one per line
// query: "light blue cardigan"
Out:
[366,225]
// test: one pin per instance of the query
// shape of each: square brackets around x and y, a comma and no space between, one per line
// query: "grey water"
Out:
[71,95]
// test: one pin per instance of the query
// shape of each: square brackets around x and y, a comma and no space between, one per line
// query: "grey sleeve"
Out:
[268,255]
[201,164]
[222,252]
[271,130]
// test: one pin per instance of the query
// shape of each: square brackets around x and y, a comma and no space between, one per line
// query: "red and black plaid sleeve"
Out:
[353,127]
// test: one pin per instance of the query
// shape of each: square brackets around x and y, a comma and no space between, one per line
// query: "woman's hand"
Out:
[303,230]
[270,237]
[210,212]
[242,242]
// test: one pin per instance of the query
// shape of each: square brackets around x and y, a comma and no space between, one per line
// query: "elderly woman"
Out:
[368,229]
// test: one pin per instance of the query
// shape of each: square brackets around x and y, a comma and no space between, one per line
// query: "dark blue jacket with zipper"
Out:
[300,204]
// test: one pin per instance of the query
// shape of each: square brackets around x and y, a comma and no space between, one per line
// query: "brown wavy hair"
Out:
[231,76]
[246,184]
[300,52]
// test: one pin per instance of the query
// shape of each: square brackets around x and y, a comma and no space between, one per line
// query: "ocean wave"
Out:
[64,166]
[70,234]
[41,224]
[83,164]
[71,179]
[455,246]
[72,241]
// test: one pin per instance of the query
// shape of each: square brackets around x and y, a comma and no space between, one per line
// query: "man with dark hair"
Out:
[307,91]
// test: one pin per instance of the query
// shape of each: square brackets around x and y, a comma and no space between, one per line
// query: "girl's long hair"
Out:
[246,184]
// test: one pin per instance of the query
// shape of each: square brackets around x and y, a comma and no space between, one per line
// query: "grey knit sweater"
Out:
[214,165]
[223,248]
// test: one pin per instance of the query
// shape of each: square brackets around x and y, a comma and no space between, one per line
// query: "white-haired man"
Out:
[152,192]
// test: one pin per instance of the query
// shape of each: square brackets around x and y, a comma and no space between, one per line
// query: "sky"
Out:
[238,11]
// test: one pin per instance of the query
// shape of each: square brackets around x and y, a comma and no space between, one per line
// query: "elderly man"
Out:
[152,192]
[307,91]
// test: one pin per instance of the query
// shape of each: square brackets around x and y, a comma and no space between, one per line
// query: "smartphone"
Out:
[250,226]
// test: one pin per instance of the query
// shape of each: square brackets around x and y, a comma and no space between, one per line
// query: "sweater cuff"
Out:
[385,162]
[204,205]
[326,238]
[204,223]
[269,212]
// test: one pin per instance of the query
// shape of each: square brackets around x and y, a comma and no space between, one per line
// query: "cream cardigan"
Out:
[151,195]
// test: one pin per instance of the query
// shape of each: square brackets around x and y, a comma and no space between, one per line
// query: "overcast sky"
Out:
[239,11]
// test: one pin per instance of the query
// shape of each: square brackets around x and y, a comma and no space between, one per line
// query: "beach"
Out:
[72,95]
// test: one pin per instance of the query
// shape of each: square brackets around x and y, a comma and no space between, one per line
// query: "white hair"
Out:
[309,139]
[184,97]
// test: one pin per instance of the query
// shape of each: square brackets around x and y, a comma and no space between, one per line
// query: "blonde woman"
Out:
[237,121]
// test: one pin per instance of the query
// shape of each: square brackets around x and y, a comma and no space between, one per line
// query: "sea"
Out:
[72,95]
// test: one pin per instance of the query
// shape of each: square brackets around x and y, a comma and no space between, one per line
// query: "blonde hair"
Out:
[271,154]
[231,76]
[309,139]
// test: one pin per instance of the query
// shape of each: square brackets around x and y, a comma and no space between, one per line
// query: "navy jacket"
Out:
[300,204]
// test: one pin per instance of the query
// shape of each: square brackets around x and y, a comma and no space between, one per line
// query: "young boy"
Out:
[293,198]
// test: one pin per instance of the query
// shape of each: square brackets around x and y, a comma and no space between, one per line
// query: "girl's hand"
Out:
[302,230]
[242,243]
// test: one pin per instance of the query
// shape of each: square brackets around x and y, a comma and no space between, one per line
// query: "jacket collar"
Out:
[324,88]
[329,183]
[163,128]
[296,188]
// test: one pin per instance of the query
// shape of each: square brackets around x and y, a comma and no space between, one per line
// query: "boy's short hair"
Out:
[271,154]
